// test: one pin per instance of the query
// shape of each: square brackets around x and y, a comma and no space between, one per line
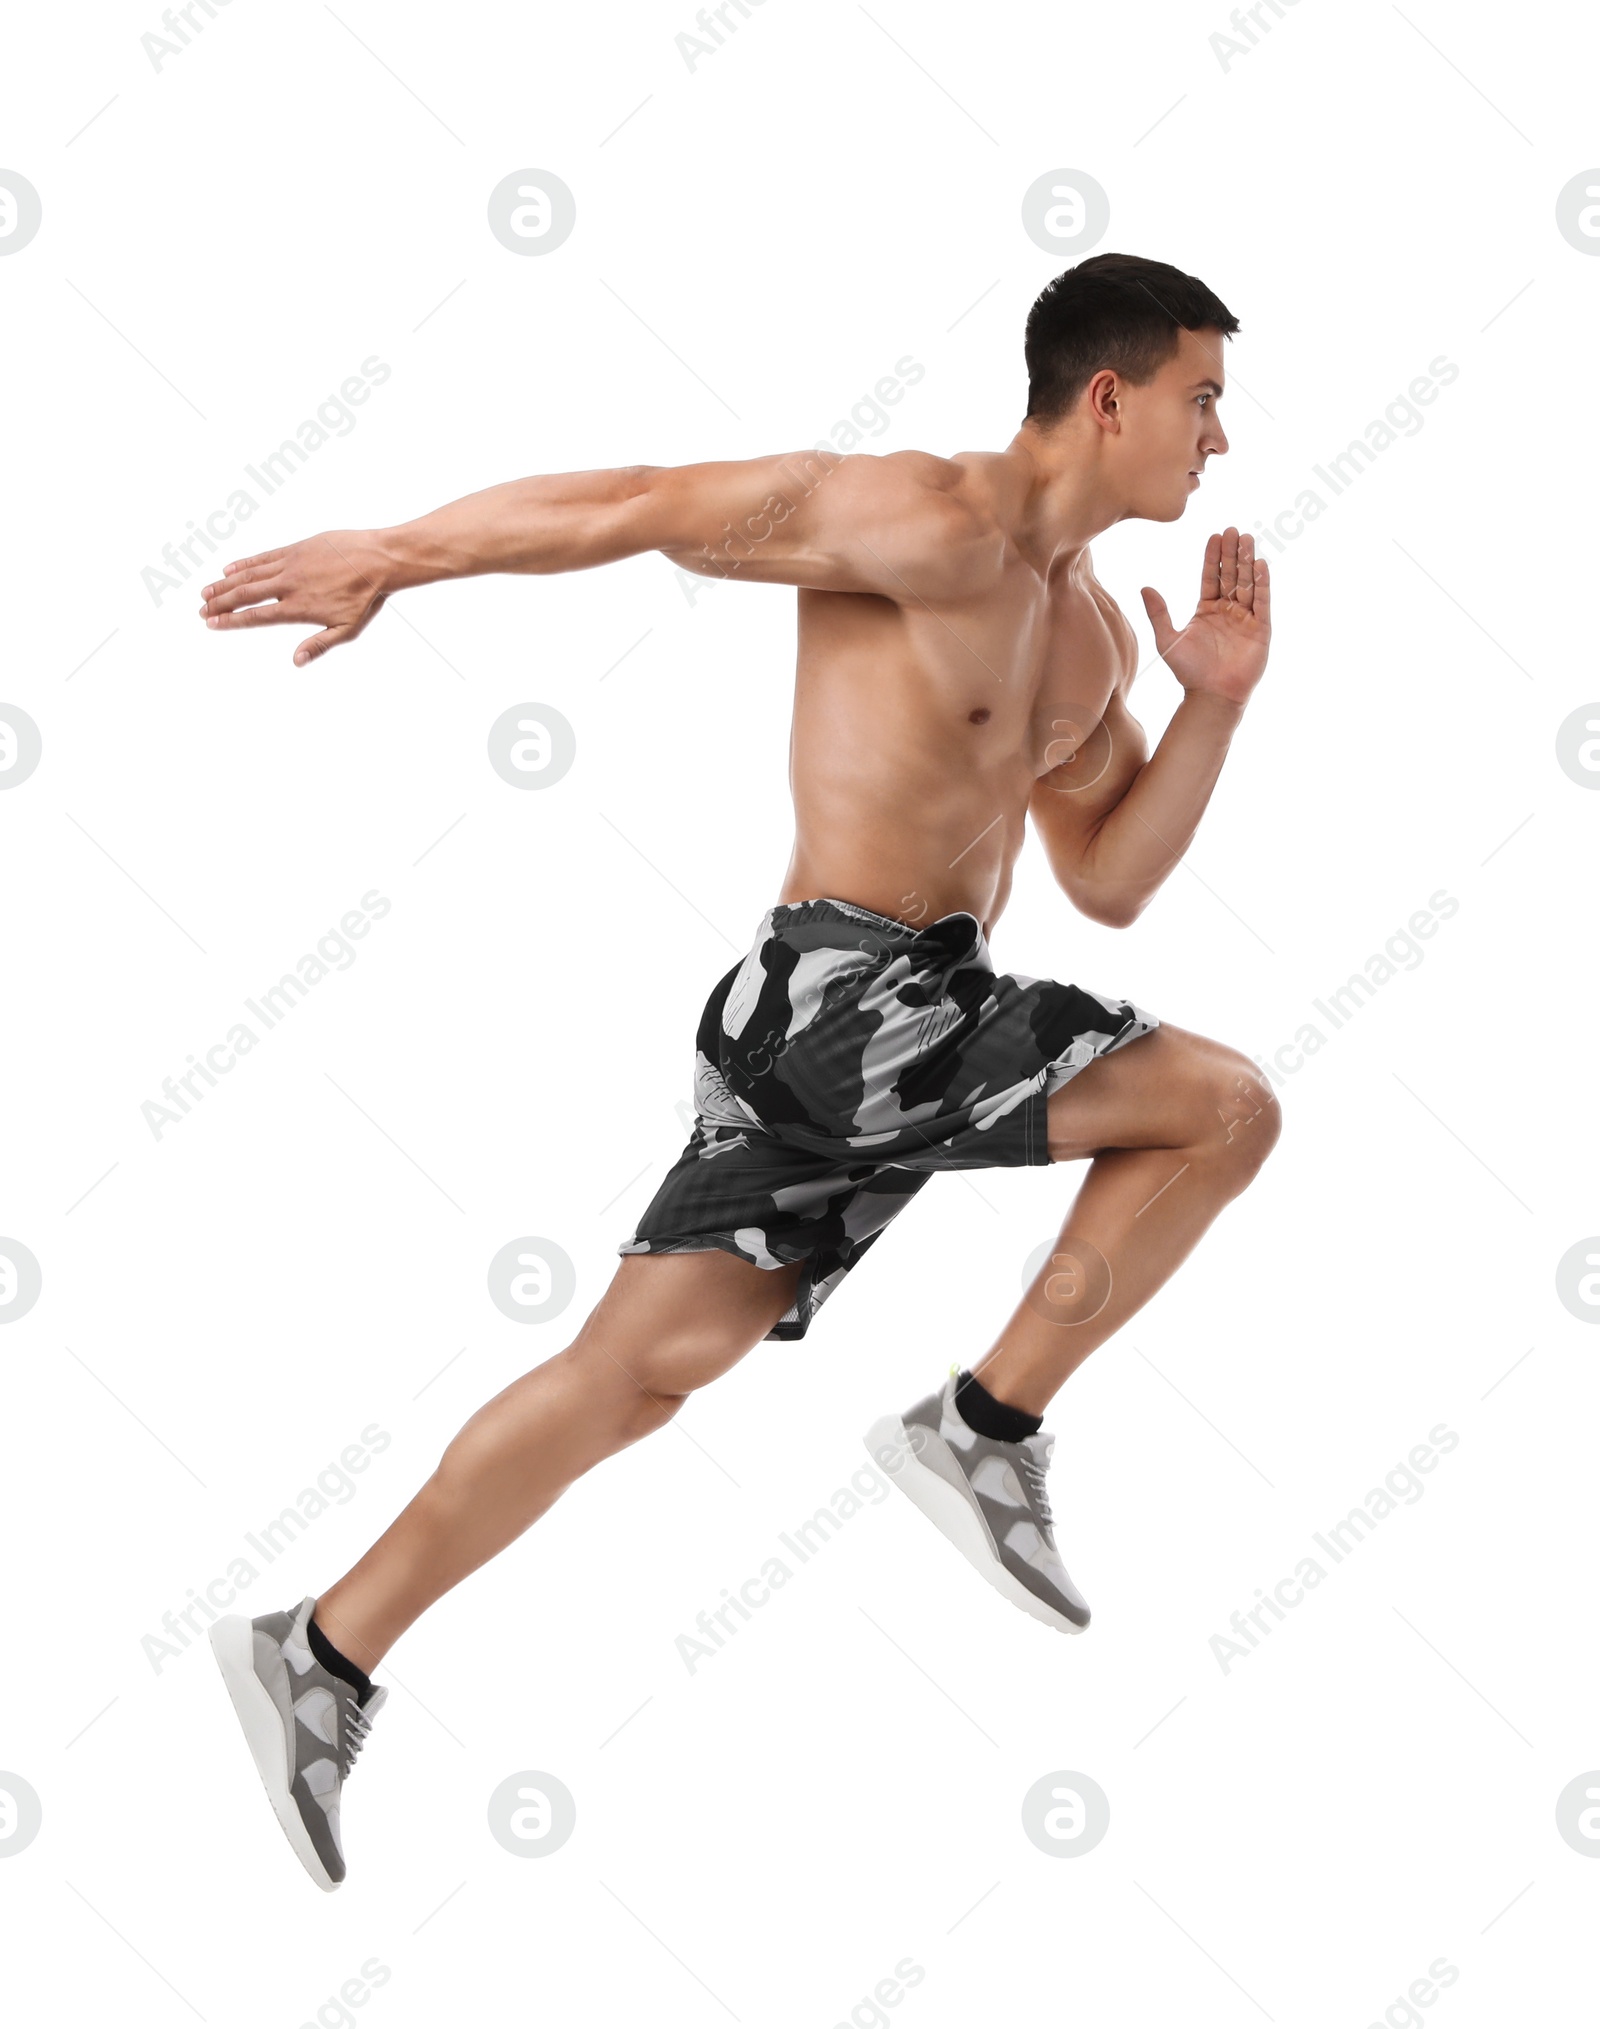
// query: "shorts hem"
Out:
[694,1243]
[1036,1128]
[1036,1124]
[787,1327]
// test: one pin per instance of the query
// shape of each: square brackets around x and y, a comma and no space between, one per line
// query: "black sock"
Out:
[980,1411]
[337,1665]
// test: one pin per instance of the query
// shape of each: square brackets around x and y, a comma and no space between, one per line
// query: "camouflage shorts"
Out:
[841,1063]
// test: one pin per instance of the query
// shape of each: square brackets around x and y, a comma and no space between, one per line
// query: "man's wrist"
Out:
[395,560]
[1207,706]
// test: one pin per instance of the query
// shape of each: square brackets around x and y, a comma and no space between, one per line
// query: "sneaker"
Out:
[988,1497]
[303,1725]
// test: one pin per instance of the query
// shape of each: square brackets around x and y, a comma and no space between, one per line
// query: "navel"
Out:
[979,716]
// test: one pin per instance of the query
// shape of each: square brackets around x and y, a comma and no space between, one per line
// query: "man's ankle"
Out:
[336,1662]
[988,1415]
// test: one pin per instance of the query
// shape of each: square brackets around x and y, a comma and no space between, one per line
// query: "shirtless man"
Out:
[960,668]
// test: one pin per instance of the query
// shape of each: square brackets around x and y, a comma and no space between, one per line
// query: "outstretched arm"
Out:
[844,524]
[1113,823]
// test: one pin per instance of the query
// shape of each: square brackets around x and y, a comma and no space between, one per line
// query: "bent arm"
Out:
[1113,836]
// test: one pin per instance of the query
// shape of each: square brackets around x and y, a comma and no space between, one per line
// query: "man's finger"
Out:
[257,616]
[239,576]
[1160,619]
[1228,572]
[228,598]
[1210,582]
[319,644]
[1245,588]
[246,563]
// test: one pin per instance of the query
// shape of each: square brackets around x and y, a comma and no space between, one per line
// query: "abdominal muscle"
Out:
[897,811]
[918,739]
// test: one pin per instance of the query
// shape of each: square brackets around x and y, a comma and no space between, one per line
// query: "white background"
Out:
[225,1308]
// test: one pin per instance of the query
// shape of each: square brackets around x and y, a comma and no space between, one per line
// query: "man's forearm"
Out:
[561,521]
[1143,837]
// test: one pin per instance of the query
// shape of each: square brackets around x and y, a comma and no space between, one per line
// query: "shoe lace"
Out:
[353,1735]
[1041,1498]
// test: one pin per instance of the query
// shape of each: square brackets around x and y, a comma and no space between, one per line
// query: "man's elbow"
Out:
[1116,912]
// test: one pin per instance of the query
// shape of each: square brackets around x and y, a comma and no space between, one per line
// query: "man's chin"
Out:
[1191,486]
[1166,509]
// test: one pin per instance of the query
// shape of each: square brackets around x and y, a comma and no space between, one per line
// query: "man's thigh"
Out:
[672,1322]
[1169,1089]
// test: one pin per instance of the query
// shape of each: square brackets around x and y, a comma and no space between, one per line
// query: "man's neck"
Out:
[1061,502]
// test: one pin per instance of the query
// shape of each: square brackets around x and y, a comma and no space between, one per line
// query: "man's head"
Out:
[1129,351]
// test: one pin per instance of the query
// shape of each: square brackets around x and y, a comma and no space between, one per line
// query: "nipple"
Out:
[978,717]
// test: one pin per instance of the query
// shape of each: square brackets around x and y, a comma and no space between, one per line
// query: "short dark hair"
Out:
[1116,310]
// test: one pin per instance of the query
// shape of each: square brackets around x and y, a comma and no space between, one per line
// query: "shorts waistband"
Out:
[827,909]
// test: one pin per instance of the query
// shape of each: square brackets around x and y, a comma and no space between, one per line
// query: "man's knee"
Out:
[645,1385]
[646,1408]
[1249,1118]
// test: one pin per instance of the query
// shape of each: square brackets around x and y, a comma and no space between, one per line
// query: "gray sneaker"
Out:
[988,1497]
[304,1727]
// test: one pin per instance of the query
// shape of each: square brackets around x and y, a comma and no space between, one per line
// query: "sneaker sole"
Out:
[954,1517]
[233,1644]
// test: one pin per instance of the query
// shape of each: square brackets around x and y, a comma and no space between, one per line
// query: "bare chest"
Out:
[989,696]
[1060,682]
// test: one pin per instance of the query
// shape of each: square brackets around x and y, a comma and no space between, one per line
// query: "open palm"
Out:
[1223,649]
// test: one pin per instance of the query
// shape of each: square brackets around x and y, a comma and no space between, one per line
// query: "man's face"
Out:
[1170,428]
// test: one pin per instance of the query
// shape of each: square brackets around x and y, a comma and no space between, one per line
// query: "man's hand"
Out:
[1223,650]
[332,581]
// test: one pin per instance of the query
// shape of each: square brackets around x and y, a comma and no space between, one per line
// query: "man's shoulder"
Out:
[976,482]
[927,468]
[1120,625]
[950,506]
[909,476]
[932,527]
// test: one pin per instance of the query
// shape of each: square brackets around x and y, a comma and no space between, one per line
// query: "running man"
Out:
[960,669]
